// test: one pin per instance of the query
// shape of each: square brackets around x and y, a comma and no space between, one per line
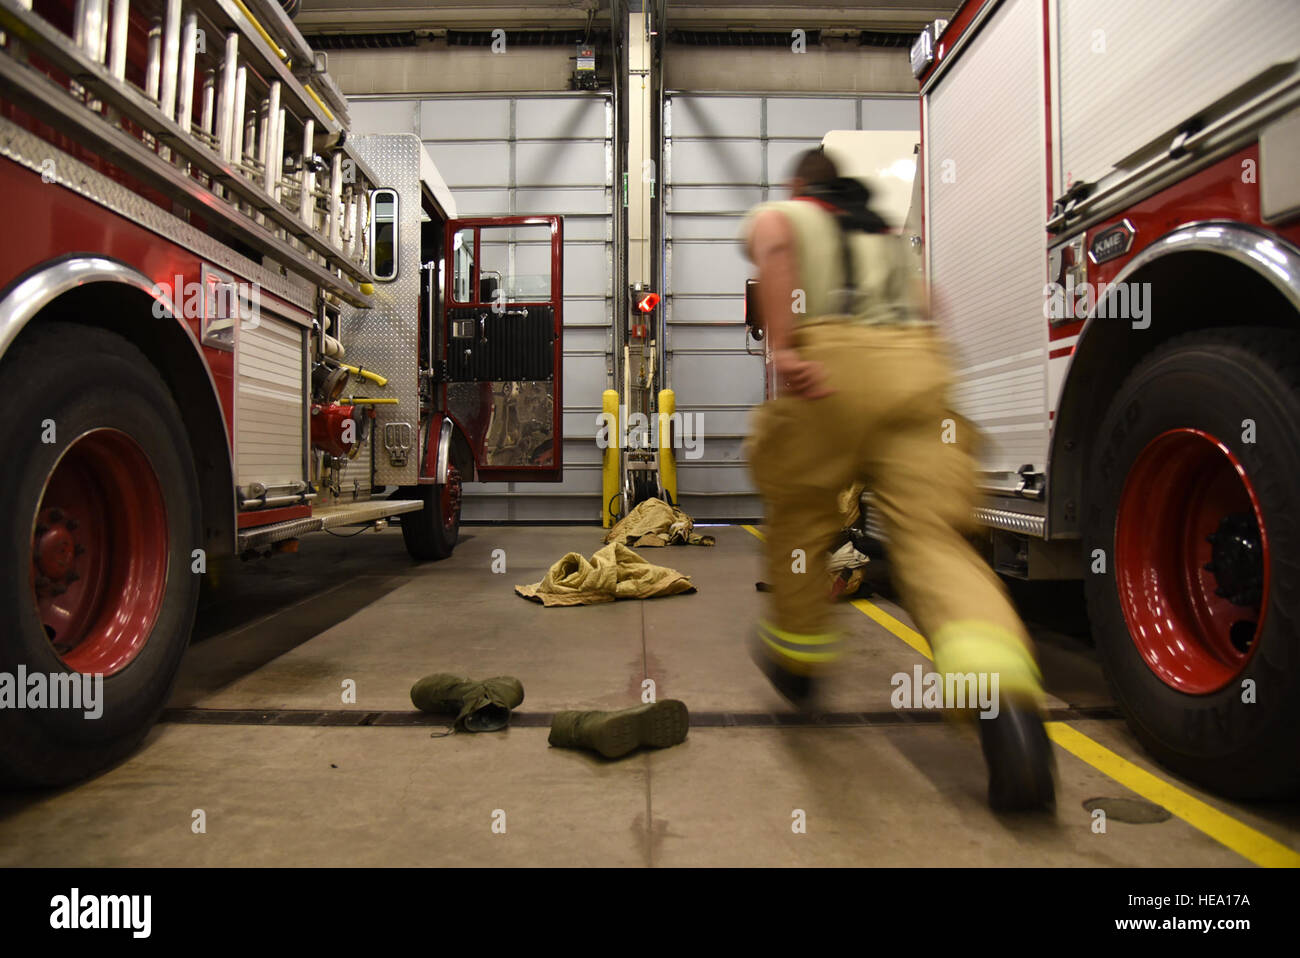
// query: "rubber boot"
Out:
[796,663]
[801,691]
[1019,757]
[1017,750]
[614,734]
[482,706]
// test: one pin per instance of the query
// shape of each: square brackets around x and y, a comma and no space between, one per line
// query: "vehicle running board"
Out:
[326,517]
[1007,520]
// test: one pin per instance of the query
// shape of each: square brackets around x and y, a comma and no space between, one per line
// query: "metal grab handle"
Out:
[748,340]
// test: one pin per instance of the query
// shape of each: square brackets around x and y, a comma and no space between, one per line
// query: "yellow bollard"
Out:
[609,481]
[667,463]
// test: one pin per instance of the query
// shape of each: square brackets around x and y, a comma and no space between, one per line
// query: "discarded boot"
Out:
[478,706]
[1019,757]
[614,734]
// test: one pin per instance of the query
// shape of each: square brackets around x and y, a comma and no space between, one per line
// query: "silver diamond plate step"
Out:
[1026,523]
[327,517]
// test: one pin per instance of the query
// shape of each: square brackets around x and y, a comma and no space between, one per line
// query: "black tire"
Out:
[432,532]
[86,379]
[1210,382]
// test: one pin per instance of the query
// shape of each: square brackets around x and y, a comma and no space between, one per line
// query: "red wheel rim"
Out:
[99,552]
[449,499]
[1191,620]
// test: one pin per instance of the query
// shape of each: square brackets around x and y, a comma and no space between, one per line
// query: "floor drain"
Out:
[1134,811]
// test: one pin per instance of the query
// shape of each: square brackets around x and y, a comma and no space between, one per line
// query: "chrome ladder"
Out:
[230,114]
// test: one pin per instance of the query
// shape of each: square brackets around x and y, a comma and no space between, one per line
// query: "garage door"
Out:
[726,153]
[505,155]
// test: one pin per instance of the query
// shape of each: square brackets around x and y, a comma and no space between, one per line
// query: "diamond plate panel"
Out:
[385,338]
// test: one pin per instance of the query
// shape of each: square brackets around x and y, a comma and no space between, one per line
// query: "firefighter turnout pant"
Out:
[888,423]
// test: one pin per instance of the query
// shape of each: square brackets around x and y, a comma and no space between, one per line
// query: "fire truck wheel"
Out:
[432,532]
[100,496]
[1191,532]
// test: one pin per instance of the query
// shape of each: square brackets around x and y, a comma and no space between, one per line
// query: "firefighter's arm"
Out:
[772,249]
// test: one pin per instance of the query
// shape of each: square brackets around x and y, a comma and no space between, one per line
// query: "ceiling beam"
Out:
[373,16]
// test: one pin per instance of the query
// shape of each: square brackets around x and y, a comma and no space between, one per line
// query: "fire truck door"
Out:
[504,343]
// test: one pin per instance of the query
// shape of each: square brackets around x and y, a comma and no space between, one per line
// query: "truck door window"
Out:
[516,264]
[462,266]
[383,237]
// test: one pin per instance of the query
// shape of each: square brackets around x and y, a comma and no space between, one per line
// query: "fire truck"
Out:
[1111,237]
[226,323]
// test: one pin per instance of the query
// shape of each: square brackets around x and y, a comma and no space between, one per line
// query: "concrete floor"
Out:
[286,633]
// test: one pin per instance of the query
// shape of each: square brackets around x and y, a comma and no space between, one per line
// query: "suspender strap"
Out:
[850,290]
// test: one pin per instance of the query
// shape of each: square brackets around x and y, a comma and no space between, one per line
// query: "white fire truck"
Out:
[1112,243]
[224,324]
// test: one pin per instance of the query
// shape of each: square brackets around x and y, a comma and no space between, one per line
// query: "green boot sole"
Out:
[615,734]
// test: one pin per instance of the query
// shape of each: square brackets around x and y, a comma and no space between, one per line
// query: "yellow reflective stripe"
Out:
[799,656]
[797,638]
[973,645]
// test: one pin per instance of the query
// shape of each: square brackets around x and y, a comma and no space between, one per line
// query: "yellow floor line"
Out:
[1247,842]
[912,637]
[1223,828]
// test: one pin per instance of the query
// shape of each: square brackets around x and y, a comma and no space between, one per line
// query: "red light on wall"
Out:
[648,302]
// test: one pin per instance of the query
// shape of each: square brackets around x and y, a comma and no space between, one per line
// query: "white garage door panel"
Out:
[809,117]
[714,448]
[709,267]
[547,118]
[565,202]
[580,426]
[584,381]
[682,336]
[731,422]
[560,163]
[585,481]
[480,202]
[899,114]
[713,308]
[711,477]
[584,339]
[586,312]
[715,116]
[718,379]
[465,118]
[713,199]
[715,161]
[470,164]
[586,269]
[587,228]
[580,452]
[399,116]
[684,226]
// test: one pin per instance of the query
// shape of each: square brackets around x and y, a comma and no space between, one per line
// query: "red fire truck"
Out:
[1112,242]
[225,323]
